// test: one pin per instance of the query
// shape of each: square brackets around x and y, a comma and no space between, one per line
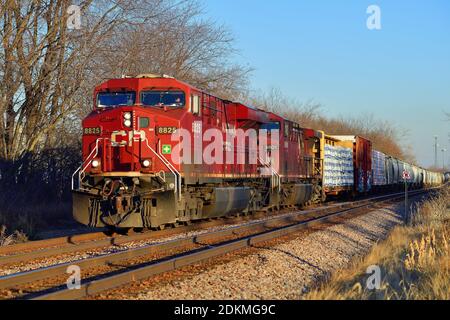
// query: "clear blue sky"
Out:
[322,50]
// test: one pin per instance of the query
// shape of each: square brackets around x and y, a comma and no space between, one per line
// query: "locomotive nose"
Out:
[126,137]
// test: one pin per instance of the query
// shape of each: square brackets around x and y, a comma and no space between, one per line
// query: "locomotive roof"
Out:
[152,76]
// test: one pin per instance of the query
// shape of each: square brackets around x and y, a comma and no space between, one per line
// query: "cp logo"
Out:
[127,137]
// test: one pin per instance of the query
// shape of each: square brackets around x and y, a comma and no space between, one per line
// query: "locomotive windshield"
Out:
[115,99]
[271,126]
[163,98]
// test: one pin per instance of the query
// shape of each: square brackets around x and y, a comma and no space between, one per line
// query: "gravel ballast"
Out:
[283,271]
[91,253]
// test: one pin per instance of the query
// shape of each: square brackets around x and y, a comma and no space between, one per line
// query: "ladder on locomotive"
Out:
[275,180]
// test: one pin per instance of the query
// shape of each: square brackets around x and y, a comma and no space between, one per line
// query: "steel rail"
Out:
[174,263]
[42,244]
[7,252]
[260,226]
[71,244]
[94,287]
[88,241]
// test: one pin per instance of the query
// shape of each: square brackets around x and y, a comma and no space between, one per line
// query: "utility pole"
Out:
[406,176]
[436,151]
[443,159]
[406,202]
[448,163]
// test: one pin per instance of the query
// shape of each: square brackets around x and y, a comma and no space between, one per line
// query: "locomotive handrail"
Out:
[83,167]
[172,169]
[274,173]
[73,177]
[94,153]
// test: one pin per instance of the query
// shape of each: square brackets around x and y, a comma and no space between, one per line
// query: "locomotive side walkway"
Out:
[281,269]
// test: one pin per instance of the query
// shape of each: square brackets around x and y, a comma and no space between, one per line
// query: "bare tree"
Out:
[48,71]
[385,136]
[41,67]
[274,100]
[177,42]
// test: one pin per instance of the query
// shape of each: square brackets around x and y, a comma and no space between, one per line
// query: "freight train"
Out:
[159,152]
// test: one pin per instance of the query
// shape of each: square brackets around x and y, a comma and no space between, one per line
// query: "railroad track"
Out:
[120,268]
[89,241]
[51,247]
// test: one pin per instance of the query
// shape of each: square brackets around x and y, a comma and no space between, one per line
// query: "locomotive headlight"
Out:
[95,164]
[127,123]
[146,163]
[127,115]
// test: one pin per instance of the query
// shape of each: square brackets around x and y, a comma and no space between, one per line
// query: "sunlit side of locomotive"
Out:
[158,152]
[139,172]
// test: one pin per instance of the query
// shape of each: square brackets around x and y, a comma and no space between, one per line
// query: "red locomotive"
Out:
[158,152]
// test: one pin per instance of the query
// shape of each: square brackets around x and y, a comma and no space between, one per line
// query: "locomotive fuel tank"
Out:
[226,201]
[300,194]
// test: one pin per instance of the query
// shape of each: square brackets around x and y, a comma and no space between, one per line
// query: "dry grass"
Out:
[30,219]
[9,239]
[414,261]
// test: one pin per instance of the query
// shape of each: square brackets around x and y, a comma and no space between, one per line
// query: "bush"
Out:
[36,190]
[15,237]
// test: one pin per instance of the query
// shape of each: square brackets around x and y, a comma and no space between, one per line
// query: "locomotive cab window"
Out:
[174,99]
[271,126]
[115,99]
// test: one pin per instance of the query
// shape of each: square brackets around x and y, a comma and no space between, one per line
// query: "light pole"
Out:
[448,163]
[443,158]
[436,151]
